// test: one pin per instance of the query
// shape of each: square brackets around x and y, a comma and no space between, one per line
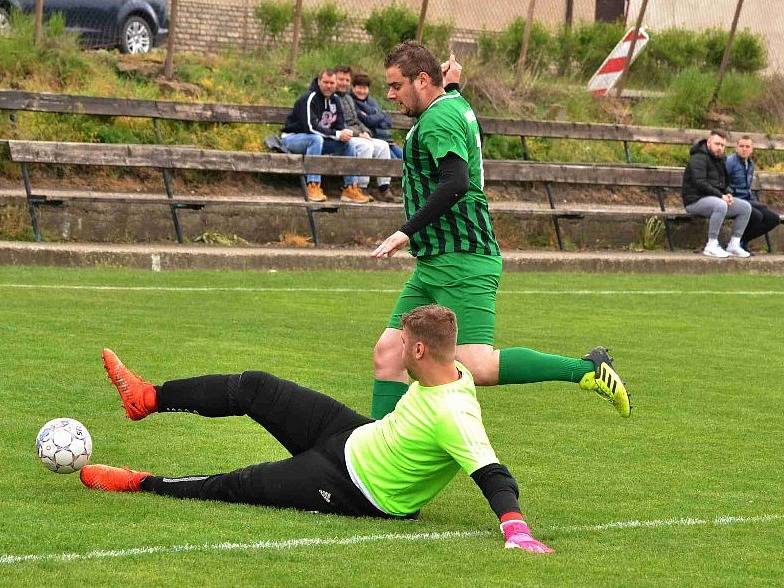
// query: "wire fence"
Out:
[217,25]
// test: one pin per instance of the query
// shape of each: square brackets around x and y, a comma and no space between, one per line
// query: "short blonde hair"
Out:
[436,327]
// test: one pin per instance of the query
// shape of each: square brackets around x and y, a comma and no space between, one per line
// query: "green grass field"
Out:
[623,502]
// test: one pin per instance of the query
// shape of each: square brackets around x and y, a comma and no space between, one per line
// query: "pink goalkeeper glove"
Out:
[518,536]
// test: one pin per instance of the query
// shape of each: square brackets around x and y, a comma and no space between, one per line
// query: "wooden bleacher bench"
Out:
[171,157]
[167,158]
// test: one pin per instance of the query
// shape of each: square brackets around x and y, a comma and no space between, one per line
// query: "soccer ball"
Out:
[64,445]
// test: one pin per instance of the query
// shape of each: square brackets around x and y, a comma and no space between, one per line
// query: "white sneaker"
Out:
[714,250]
[736,250]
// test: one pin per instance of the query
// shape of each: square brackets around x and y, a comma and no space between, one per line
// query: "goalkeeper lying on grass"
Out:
[342,462]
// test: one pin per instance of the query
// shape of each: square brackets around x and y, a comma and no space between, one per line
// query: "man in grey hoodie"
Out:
[363,141]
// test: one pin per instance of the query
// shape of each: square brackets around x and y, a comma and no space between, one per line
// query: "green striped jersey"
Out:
[402,461]
[448,125]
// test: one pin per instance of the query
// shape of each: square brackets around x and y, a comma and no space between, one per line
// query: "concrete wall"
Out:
[213,25]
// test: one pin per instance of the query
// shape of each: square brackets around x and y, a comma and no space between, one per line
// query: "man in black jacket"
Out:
[706,193]
[315,126]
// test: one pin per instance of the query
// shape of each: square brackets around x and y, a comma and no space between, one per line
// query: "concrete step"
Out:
[267,218]
[165,257]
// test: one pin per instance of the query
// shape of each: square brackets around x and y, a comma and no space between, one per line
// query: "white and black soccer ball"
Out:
[64,445]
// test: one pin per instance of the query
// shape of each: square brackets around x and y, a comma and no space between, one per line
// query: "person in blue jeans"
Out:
[315,127]
[740,169]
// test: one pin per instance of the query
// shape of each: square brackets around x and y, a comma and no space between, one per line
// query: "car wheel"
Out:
[5,21]
[136,36]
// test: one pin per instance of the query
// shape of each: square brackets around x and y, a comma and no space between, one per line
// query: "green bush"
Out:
[506,45]
[436,37]
[274,17]
[58,58]
[391,25]
[687,99]
[321,25]
[749,53]
[583,49]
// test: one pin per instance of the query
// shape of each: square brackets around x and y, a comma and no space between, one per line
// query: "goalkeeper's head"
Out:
[429,339]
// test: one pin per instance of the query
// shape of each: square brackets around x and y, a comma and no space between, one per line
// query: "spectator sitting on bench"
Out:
[740,169]
[366,146]
[706,193]
[315,126]
[371,114]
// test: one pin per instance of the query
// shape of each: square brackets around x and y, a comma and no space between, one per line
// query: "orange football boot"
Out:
[111,479]
[139,398]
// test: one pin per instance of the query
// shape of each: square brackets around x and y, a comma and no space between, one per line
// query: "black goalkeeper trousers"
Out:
[312,426]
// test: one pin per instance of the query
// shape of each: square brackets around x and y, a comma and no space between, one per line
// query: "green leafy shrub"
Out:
[506,45]
[391,25]
[436,37]
[321,25]
[274,17]
[688,96]
[581,50]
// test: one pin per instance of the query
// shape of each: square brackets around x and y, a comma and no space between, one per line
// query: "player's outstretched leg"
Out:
[139,398]
[606,382]
[111,479]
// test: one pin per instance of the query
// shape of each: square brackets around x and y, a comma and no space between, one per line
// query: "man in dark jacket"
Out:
[315,126]
[706,193]
[370,113]
[740,169]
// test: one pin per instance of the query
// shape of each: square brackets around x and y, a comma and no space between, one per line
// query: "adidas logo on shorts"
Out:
[326,495]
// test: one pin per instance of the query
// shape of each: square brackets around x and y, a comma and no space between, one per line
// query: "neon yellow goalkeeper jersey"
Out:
[402,461]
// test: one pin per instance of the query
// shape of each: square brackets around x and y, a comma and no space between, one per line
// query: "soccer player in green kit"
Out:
[342,462]
[449,231]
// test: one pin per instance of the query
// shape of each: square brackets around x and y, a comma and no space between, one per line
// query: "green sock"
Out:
[519,365]
[385,397]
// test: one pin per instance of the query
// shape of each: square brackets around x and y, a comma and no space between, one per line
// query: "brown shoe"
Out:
[354,193]
[315,193]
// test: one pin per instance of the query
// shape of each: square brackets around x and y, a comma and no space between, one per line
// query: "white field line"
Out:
[306,542]
[385,290]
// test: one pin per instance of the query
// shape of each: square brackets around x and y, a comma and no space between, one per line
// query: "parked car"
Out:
[135,26]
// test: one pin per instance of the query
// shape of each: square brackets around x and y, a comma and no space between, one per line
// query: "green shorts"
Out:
[466,283]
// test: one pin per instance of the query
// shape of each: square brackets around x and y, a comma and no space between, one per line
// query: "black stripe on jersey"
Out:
[454,229]
[422,236]
[469,224]
[484,226]
[439,231]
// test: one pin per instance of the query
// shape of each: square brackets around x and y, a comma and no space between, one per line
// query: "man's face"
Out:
[343,81]
[361,92]
[744,148]
[716,145]
[404,92]
[326,84]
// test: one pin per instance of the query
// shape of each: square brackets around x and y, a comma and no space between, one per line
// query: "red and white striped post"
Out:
[611,70]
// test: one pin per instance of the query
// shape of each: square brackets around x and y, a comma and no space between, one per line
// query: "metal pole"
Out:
[39,20]
[637,26]
[421,24]
[295,36]
[529,22]
[168,67]
[725,60]
[569,18]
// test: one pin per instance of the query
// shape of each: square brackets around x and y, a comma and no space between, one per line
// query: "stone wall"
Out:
[215,25]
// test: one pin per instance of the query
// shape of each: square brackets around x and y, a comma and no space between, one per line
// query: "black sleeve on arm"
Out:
[452,86]
[452,186]
[499,488]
